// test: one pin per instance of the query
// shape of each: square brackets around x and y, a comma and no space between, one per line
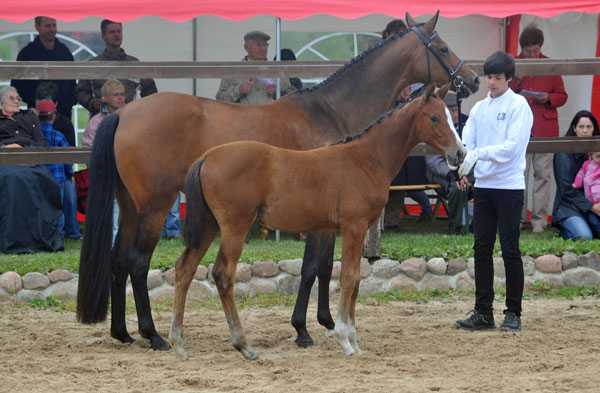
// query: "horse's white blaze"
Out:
[458,140]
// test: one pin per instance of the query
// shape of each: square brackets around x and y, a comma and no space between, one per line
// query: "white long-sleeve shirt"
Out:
[499,129]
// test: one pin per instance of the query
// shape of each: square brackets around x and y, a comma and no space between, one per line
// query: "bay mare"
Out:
[143,152]
[342,187]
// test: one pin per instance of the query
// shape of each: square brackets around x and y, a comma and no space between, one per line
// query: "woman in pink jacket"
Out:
[588,178]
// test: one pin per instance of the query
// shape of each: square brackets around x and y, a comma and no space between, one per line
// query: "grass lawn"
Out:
[426,240]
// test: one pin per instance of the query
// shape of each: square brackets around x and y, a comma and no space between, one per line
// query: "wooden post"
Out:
[372,246]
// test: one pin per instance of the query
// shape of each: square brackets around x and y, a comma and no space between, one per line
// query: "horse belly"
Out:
[295,217]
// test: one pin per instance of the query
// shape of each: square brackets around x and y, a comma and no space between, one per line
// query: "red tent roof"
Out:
[182,10]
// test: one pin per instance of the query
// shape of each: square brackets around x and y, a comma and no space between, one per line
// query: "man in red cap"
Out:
[63,173]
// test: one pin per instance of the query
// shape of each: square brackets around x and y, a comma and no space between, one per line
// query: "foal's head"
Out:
[433,125]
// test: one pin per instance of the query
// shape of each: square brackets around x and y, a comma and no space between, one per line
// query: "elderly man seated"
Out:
[30,201]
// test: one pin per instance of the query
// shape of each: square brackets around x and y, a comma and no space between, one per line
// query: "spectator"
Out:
[394,27]
[288,55]
[63,173]
[571,207]
[30,196]
[89,92]
[496,136]
[588,178]
[62,123]
[253,90]
[46,47]
[544,94]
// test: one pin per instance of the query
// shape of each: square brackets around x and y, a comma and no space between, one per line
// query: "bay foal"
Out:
[342,186]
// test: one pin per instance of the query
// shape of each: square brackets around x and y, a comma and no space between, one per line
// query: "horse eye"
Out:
[444,50]
[434,118]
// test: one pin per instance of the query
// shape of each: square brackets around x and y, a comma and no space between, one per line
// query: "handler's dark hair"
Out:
[579,115]
[531,35]
[500,63]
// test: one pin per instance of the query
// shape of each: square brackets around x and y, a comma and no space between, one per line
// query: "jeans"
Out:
[497,210]
[173,223]
[67,224]
[575,228]
[422,199]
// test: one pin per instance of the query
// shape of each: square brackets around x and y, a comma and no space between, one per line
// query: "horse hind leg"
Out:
[324,275]
[184,273]
[224,274]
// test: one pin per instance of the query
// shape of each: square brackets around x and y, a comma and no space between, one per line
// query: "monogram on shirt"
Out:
[501,116]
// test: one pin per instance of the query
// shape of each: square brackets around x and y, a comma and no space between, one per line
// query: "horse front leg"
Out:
[345,330]
[316,260]
[185,269]
[146,239]
[224,272]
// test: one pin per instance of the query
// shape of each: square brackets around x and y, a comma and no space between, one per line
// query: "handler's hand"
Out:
[468,163]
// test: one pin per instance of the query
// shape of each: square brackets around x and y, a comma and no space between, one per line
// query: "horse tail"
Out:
[197,213]
[95,263]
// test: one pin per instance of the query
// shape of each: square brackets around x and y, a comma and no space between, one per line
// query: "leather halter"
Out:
[456,79]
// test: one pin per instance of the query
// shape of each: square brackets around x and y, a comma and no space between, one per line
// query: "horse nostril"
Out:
[476,81]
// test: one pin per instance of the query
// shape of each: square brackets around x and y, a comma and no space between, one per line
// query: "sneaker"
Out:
[512,323]
[538,229]
[476,322]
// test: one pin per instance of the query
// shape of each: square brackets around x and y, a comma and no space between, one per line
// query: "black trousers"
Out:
[497,210]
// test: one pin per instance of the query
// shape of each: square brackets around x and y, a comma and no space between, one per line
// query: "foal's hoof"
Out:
[248,354]
[124,338]
[330,333]
[304,342]
[158,344]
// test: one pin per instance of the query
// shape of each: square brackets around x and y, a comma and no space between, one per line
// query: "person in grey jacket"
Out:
[89,91]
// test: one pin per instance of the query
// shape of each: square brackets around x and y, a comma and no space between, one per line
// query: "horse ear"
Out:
[430,91]
[443,91]
[410,22]
[430,25]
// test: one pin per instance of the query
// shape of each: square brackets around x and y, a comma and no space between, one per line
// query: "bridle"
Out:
[454,78]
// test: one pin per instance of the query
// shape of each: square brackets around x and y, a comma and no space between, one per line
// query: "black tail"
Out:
[197,212]
[95,271]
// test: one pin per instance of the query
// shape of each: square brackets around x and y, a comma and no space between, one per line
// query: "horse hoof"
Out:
[304,342]
[249,354]
[329,333]
[124,338]
[159,344]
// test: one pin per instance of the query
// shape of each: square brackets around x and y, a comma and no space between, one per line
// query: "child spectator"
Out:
[588,178]
[63,173]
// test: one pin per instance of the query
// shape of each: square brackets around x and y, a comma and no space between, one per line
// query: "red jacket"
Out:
[545,116]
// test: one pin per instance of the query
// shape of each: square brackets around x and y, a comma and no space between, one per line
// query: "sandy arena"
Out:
[407,347]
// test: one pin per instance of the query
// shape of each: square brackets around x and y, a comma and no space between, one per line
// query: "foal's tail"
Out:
[95,272]
[197,213]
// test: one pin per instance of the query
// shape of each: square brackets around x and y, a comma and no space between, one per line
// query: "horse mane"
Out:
[351,138]
[353,61]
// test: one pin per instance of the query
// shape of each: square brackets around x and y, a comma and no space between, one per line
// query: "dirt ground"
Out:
[407,347]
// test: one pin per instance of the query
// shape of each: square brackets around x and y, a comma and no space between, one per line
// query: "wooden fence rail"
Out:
[81,155]
[225,69]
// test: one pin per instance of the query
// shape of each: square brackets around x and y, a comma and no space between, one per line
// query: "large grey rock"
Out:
[26,295]
[291,266]
[548,264]
[365,268]
[499,270]
[201,273]
[201,289]
[569,261]
[35,281]
[554,281]
[11,282]
[162,292]
[60,275]
[63,290]
[169,276]
[243,272]
[154,279]
[464,283]
[581,277]
[263,286]
[471,267]
[385,268]
[528,265]
[589,260]
[455,266]
[4,296]
[337,269]
[240,289]
[414,268]
[435,282]
[403,284]
[265,269]
[370,284]
[288,283]
[437,266]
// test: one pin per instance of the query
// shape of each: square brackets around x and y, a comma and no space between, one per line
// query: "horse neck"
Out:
[367,88]
[389,143]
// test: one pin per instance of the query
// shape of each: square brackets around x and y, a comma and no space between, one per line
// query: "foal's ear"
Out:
[443,90]
[410,22]
[430,25]
[430,91]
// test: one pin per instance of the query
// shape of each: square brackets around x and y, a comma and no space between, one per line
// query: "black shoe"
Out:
[424,216]
[455,230]
[476,322]
[512,323]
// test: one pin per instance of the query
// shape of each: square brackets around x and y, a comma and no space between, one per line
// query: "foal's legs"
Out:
[318,259]
[232,242]
[352,243]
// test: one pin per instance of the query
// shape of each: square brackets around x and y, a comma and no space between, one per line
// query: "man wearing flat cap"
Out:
[253,90]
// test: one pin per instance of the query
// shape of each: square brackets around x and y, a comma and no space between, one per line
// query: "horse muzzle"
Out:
[455,156]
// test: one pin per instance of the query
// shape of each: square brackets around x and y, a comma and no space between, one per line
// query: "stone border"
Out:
[570,270]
